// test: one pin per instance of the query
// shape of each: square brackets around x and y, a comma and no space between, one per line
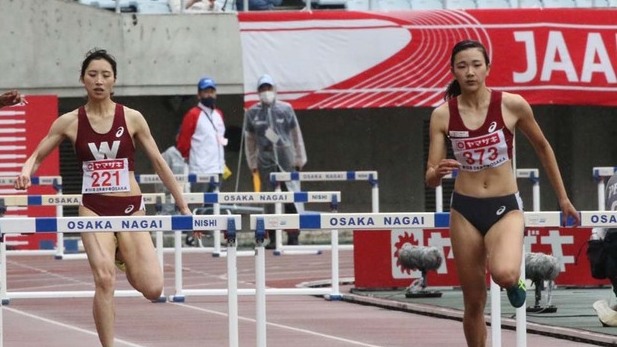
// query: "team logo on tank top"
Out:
[103,150]
[120,131]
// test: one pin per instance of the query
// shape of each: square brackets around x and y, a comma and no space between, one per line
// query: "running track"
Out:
[299,321]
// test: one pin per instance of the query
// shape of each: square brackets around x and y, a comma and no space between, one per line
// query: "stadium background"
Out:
[161,57]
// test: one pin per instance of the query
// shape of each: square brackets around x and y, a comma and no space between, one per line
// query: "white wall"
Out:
[43,43]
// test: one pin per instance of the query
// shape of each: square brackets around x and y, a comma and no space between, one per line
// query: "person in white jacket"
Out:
[201,140]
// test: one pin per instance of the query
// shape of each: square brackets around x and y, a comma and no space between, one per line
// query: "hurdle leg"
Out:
[59,236]
[3,283]
[232,284]
[260,294]
[335,294]
[278,209]
[178,295]
[521,314]
[495,314]
[159,255]
[216,234]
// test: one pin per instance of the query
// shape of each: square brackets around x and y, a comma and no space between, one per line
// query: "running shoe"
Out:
[517,294]
[606,314]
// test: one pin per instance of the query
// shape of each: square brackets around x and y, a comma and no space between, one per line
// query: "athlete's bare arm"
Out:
[516,106]
[438,165]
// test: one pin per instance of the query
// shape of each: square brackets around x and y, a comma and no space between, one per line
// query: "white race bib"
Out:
[482,152]
[105,176]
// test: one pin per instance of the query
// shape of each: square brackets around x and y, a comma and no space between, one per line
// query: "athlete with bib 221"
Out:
[105,135]
[486,217]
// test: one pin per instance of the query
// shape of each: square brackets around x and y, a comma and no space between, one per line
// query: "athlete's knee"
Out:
[105,279]
[153,291]
[506,277]
[475,298]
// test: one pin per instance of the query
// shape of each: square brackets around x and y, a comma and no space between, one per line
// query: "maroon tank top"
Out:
[115,144]
[490,145]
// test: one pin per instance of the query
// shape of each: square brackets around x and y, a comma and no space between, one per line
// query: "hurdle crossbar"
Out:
[190,178]
[62,200]
[56,183]
[322,176]
[247,198]
[29,225]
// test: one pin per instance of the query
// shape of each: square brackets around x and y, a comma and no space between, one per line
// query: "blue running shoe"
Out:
[517,294]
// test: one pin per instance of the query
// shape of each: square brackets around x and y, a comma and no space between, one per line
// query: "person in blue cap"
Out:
[273,143]
[201,139]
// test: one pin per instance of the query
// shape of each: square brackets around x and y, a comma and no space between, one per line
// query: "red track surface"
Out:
[299,321]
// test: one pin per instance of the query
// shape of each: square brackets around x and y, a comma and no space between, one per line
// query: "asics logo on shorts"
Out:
[492,127]
[120,131]
[501,210]
[129,209]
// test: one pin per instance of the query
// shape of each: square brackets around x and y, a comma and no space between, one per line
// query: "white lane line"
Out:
[67,326]
[305,331]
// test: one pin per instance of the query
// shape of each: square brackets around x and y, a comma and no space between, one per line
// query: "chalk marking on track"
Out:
[41,270]
[63,325]
[331,337]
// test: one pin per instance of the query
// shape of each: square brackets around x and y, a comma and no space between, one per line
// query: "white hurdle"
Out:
[187,180]
[600,174]
[378,221]
[56,183]
[252,198]
[131,223]
[9,225]
[322,176]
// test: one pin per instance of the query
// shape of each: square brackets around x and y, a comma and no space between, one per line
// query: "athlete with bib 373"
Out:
[486,217]
[105,135]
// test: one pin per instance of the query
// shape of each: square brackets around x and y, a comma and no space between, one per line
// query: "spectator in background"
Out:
[196,6]
[201,140]
[273,143]
[178,166]
[258,5]
[10,98]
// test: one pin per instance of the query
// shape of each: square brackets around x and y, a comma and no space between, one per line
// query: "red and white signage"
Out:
[347,59]
[376,254]
[21,129]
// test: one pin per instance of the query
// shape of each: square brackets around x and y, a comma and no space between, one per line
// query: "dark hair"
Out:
[454,89]
[98,54]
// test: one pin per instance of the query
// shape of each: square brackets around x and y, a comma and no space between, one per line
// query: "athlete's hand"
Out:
[446,166]
[568,211]
[22,182]
[187,212]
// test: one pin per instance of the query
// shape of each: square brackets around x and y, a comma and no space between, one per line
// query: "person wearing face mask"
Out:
[201,139]
[273,143]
